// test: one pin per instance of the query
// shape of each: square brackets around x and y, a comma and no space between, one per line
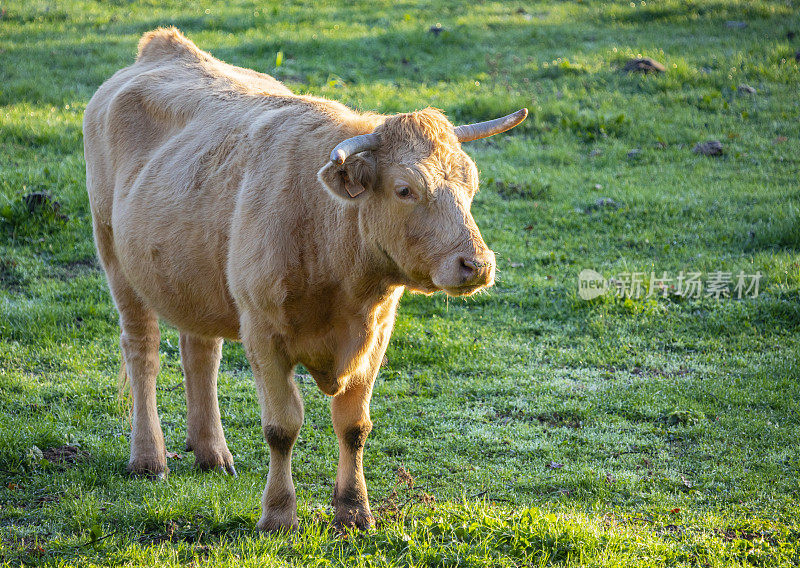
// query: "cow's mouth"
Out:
[465,290]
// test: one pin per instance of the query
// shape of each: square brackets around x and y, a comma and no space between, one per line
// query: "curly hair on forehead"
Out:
[428,127]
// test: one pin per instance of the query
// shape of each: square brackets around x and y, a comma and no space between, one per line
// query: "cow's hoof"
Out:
[274,522]
[151,469]
[352,509]
[226,470]
[213,459]
[224,467]
[361,520]
[230,470]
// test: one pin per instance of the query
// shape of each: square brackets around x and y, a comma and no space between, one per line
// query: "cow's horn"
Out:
[354,145]
[469,132]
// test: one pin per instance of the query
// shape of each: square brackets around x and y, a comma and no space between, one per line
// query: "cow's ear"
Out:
[352,181]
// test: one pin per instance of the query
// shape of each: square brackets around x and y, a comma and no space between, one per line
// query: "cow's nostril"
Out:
[468,268]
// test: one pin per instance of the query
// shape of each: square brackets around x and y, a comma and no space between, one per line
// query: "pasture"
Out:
[523,426]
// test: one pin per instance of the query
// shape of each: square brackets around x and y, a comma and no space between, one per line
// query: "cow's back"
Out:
[138,110]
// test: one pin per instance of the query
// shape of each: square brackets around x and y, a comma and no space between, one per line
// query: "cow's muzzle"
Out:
[464,274]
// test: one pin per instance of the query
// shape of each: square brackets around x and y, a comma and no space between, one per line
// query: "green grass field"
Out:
[540,429]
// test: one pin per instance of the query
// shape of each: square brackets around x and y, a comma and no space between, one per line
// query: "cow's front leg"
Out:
[350,413]
[281,419]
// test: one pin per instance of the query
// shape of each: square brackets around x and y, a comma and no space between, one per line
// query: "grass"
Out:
[540,429]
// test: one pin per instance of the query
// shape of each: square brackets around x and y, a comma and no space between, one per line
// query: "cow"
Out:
[232,208]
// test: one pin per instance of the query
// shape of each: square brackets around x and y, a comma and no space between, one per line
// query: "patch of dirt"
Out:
[65,455]
[39,199]
[41,202]
[742,534]
[710,148]
[510,190]
[559,420]
[643,65]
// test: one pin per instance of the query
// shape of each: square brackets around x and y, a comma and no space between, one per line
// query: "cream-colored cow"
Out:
[232,208]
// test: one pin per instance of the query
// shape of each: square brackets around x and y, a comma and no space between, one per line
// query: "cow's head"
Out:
[414,187]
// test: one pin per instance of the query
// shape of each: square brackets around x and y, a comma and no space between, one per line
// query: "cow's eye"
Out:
[404,192]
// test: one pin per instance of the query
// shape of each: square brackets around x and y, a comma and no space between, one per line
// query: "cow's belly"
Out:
[174,256]
[189,297]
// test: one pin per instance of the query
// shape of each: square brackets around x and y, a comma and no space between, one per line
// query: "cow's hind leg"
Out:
[281,420]
[139,341]
[351,422]
[200,357]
